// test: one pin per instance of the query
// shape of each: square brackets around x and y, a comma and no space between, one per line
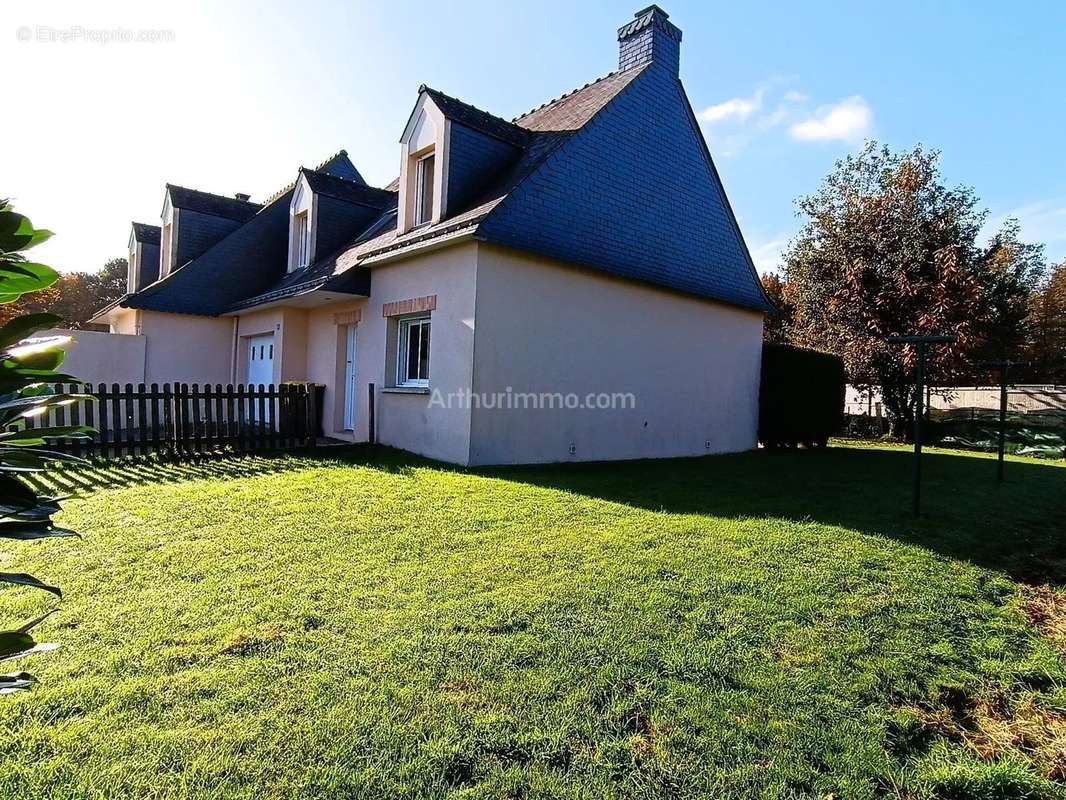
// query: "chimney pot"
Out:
[650,38]
[242,197]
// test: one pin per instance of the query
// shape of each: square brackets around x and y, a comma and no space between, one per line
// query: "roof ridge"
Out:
[213,194]
[331,176]
[460,101]
[561,97]
[341,152]
[271,198]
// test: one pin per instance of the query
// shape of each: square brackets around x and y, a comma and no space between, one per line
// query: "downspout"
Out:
[138,329]
[233,352]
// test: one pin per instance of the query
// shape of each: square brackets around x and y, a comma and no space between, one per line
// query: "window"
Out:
[412,357]
[301,238]
[424,170]
[168,257]
[131,273]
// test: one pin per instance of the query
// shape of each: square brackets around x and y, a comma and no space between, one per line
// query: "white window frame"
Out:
[403,341]
[133,268]
[166,254]
[301,225]
[423,216]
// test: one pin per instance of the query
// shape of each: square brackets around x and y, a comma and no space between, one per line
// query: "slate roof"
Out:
[145,233]
[540,135]
[349,191]
[214,204]
[466,114]
[573,111]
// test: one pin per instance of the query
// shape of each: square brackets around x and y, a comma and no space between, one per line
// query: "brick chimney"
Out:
[650,37]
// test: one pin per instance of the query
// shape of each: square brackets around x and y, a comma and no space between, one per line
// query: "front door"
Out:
[260,366]
[349,381]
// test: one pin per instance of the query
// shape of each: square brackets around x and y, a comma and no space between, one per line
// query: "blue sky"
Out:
[242,93]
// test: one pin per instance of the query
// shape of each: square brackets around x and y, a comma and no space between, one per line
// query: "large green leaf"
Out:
[33,623]
[16,494]
[42,362]
[37,649]
[39,436]
[16,682]
[16,230]
[30,277]
[14,381]
[28,531]
[12,642]
[22,579]
[28,458]
[14,410]
[19,328]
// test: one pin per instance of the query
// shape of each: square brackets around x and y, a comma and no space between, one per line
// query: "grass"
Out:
[371,625]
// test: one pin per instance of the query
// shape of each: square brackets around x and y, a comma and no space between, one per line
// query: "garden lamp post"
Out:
[921,342]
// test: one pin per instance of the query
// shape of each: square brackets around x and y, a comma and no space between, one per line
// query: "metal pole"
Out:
[918,430]
[1002,417]
[920,342]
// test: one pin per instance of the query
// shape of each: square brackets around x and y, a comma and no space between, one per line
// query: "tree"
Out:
[888,249]
[26,370]
[1009,272]
[1046,324]
[75,296]
[778,325]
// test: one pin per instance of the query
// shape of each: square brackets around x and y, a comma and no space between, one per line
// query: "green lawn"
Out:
[364,624]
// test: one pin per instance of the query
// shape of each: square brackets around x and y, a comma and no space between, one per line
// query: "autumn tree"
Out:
[1046,324]
[75,296]
[1010,273]
[776,328]
[888,249]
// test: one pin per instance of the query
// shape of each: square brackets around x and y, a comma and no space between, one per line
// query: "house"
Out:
[568,285]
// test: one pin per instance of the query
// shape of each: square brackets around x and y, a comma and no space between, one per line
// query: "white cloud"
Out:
[848,121]
[793,96]
[738,108]
[775,118]
[1042,222]
[767,254]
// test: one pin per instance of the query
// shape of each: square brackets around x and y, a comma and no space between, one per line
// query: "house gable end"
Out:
[634,194]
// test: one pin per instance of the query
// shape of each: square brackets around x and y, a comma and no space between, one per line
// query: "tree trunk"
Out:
[899,400]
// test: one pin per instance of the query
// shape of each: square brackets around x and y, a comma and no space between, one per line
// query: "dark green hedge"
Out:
[801,399]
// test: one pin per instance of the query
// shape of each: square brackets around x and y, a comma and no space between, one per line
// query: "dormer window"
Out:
[132,266]
[167,255]
[301,234]
[425,168]
[302,211]
[166,243]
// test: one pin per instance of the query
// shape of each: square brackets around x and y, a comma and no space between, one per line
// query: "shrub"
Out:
[801,398]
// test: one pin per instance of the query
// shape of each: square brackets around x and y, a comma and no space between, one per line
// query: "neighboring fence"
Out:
[1044,399]
[182,420]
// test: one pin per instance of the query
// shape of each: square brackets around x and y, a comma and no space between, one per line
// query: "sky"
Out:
[115,99]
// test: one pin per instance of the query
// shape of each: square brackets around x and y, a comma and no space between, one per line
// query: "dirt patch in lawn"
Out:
[1045,609]
[991,726]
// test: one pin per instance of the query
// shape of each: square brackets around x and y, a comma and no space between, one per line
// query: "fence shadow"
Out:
[1015,527]
[78,480]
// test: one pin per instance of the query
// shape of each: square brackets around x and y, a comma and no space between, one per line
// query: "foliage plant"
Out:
[26,370]
[801,396]
[889,249]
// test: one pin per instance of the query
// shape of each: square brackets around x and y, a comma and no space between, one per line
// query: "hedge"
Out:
[801,396]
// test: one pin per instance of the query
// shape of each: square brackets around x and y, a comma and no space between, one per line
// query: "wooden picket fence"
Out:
[182,420]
